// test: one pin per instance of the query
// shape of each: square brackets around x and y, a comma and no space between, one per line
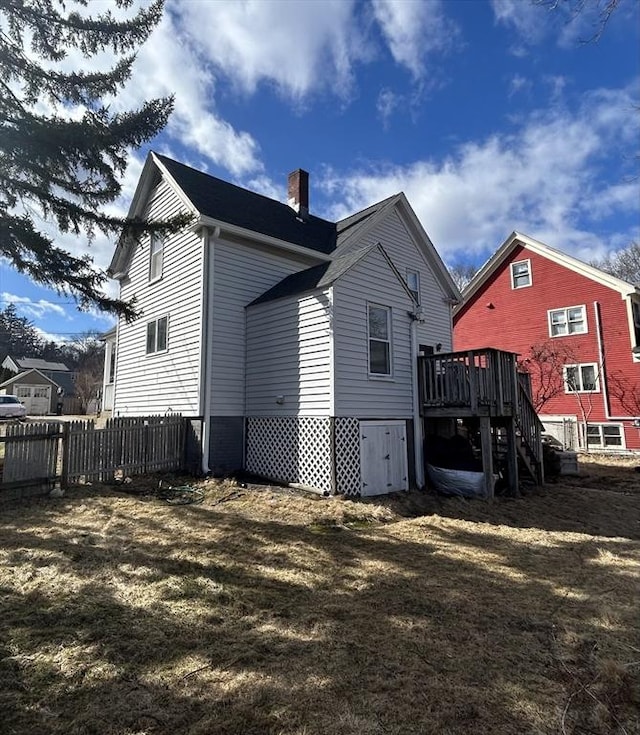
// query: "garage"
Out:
[36,398]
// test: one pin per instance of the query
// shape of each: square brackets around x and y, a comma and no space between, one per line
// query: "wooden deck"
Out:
[485,384]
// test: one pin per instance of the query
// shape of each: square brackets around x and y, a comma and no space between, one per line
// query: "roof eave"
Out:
[225,227]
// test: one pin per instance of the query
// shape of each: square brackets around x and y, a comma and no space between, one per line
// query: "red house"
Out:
[577,332]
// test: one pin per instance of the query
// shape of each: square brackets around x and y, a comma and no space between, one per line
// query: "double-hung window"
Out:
[581,378]
[156,257]
[379,326]
[563,322]
[605,436]
[413,282]
[521,274]
[157,335]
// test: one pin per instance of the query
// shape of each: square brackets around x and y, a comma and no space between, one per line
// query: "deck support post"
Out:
[512,458]
[487,454]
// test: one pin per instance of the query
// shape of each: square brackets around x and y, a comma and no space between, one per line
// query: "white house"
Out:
[296,338]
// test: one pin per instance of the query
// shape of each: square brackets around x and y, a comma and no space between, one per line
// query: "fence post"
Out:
[64,475]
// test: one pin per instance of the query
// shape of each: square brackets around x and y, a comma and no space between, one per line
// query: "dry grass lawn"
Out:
[267,612]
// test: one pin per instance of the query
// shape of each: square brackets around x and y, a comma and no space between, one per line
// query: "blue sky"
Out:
[492,116]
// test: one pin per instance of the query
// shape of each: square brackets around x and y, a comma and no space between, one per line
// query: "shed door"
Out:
[36,398]
[383,457]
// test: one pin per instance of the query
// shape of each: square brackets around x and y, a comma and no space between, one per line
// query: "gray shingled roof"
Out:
[220,200]
[318,276]
[29,363]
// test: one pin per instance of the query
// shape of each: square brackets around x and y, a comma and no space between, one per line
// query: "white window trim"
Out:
[513,281]
[602,445]
[146,333]
[380,376]
[632,332]
[414,292]
[158,255]
[581,365]
[566,310]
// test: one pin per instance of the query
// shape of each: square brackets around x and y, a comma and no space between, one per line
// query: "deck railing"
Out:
[471,379]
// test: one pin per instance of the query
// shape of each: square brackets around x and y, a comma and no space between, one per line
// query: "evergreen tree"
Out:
[62,150]
[18,336]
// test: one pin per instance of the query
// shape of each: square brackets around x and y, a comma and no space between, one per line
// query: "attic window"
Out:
[413,281]
[521,274]
[156,257]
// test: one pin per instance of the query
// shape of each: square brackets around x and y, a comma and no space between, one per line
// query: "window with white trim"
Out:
[581,378]
[563,322]
[157,335]
[635,313]
[605,436]
[413,282]
[156,257]
[521,274]
[379,326]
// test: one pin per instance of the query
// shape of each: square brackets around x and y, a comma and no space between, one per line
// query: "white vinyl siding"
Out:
[521,274]
[289,357]
[147,384]
[571,320]
[241,273]
[355,393]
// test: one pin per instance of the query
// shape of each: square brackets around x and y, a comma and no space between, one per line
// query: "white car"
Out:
[11,408]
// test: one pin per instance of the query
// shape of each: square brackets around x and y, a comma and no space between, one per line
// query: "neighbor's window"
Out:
[379,340]
[413,281]
[157,335]
[521,274]
[581,378]
[572,320]
[604,435]
[635,311]
[156,257]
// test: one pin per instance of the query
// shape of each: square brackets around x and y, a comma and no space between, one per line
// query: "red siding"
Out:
[515,319]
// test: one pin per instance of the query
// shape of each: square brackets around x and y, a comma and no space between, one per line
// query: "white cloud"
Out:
[518,83]
[541,179]
[298,47]
[570,23]
[386,104]
[32,309]
[170,64]
[413,30]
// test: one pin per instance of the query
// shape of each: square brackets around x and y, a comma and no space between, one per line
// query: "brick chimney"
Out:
[298,192]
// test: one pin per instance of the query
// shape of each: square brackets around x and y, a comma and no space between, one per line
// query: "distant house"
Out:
[295,337]
[585,324]
[40,385]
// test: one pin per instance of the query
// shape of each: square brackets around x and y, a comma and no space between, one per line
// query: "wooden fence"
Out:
[39,455]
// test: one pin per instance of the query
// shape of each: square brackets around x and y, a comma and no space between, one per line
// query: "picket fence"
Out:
[40,455]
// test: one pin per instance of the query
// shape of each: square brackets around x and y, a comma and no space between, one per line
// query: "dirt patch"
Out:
[263,610]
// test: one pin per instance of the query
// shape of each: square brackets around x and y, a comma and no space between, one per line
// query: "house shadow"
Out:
[197,619]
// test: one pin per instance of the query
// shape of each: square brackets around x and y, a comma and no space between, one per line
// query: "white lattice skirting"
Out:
[300,449]
[291,449]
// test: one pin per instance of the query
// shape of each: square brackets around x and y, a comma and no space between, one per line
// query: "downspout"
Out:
[601,355]
[417,420]
[207,344]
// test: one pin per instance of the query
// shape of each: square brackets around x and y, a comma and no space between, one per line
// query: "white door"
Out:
[383,457]
[36,398]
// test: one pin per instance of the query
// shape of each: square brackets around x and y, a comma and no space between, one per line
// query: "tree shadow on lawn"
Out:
[586,504]
[198,620]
